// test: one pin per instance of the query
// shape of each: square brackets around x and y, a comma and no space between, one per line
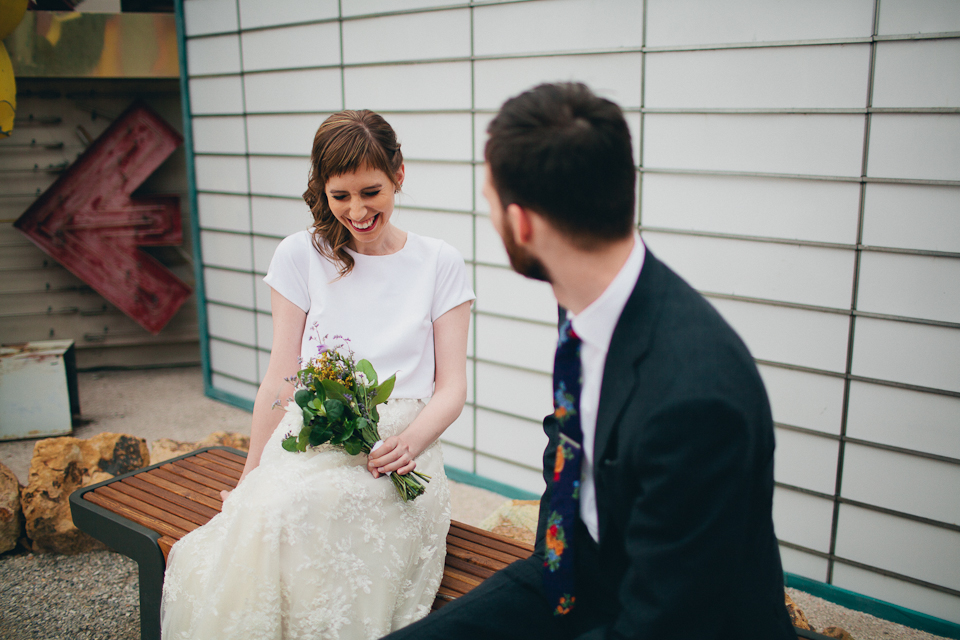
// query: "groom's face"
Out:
[522,261]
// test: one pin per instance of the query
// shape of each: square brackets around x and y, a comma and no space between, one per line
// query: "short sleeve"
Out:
[452,286]
[289,269]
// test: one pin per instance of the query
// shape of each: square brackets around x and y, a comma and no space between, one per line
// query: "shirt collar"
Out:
[595,324]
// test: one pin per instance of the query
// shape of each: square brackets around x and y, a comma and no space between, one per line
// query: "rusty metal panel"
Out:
[38,389]
[88,221]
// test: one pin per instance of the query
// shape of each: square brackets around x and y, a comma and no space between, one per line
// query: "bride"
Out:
[317,544]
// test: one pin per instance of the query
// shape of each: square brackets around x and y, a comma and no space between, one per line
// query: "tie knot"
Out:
[568,334]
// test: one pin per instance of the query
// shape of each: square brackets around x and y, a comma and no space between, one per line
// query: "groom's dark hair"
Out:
[565,153]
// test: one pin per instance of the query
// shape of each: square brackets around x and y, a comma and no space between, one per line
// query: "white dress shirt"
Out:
[594,325]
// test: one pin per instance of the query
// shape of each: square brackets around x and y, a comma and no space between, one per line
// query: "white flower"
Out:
[361,378]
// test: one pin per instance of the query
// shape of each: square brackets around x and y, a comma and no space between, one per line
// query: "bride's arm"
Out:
[288,325]
[450,393]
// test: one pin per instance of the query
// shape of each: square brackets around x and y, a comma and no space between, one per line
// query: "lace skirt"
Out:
[310,545]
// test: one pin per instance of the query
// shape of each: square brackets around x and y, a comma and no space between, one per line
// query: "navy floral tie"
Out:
[565,495]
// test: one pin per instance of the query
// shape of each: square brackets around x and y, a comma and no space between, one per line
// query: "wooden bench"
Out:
[143,513]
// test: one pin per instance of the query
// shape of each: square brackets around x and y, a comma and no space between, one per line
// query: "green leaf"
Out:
[349,426]
[335,391]
[367,369]
[340,438]
[290,443]
[320,435]
[335,410]
[303,439]
[384,390]
[353,447]
[316,405]
[303,396]
[374,413]
[307,416]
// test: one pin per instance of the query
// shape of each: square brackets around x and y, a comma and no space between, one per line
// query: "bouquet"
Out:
[338,397]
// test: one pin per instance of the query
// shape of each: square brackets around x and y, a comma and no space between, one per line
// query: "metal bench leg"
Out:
[151,589]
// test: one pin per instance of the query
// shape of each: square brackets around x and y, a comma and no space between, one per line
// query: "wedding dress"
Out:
[310,545]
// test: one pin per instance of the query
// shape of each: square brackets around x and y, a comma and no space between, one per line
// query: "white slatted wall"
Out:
[800,166]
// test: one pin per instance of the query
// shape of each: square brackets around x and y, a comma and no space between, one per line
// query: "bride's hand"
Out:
[394,455]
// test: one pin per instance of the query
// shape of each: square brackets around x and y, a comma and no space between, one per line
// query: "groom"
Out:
[659,468]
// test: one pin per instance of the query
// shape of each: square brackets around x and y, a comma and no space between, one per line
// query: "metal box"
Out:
[38,389]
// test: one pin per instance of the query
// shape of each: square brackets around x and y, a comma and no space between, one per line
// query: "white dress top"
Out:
[386,305]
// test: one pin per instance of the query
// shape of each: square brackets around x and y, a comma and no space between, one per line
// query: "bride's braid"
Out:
[345,142]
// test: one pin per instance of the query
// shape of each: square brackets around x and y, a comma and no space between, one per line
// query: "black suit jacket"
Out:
[684,477]
[683,466]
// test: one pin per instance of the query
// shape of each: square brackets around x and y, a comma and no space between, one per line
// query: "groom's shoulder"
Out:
[681,307]
[690,327]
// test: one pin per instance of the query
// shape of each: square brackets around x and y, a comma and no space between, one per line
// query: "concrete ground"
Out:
[169,403]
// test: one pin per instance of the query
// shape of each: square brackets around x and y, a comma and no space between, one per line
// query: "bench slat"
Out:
[185,471]
[479,536]
[473,557]
[160,504]
[223,457]
[166,543]
[185,488]
[229,456]
[457,586]
[220,478]
[468,567]
[202,509]
[137,503]
[132,514]
[230,468]
[462,576]
[481,549]
[219,469]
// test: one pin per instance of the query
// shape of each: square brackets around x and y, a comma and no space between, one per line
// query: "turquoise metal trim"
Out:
[198,287]
[874,607]
[472,479]
[230,398]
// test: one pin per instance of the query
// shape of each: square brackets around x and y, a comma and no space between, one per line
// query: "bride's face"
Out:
[363,202]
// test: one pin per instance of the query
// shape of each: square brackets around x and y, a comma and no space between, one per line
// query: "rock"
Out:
[165,448]
[224,439]
[59,467]
[837,632]
[796,614]
[11,516]
[515,519]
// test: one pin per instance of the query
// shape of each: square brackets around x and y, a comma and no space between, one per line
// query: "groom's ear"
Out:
[521,223]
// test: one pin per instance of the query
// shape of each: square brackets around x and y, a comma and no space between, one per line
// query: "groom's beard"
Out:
[521,260]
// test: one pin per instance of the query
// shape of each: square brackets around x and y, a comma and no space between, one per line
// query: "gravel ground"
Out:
[861,626]
[93,596]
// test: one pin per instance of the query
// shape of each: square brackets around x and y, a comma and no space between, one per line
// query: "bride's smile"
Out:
[365,225]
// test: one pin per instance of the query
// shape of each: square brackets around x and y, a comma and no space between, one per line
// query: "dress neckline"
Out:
[367,256]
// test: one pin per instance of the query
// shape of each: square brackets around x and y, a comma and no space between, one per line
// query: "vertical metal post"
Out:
[838,484]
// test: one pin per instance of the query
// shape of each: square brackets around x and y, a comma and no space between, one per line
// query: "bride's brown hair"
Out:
[345,142]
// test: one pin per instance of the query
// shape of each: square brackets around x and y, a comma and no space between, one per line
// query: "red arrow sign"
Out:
[88,222]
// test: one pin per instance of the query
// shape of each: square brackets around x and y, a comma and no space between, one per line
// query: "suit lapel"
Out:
[630,342]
